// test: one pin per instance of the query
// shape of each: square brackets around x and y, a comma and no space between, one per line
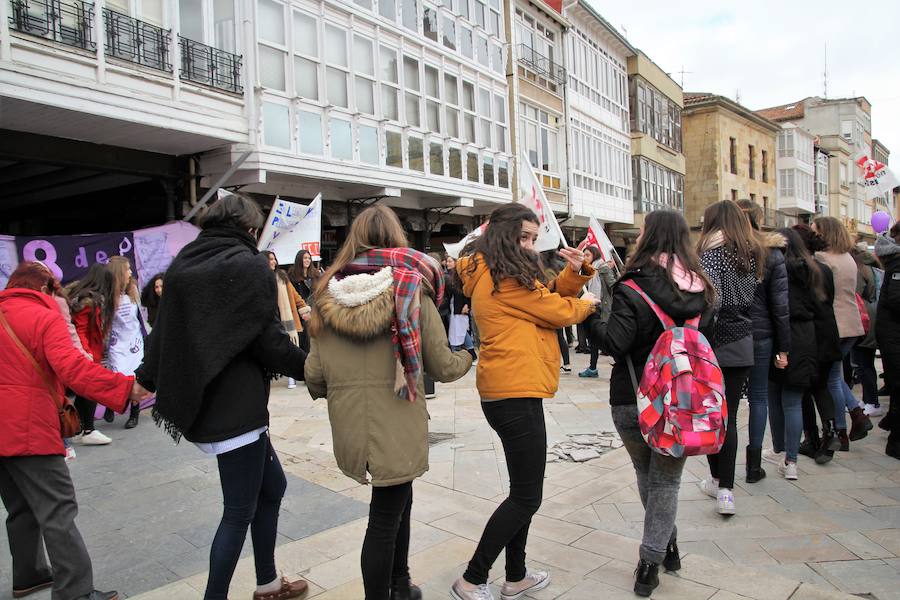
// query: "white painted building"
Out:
[403,100]
[796,167]
[821,182]
[598,118]
[123,73]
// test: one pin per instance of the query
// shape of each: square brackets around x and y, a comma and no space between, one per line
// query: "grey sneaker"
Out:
[482,592]
[534,581]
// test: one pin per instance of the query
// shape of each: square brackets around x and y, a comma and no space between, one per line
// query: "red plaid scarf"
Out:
[409,268]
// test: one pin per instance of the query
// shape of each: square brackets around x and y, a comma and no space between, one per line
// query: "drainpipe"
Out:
[570,210]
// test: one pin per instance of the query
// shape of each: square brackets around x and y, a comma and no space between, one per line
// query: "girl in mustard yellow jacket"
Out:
[517,312]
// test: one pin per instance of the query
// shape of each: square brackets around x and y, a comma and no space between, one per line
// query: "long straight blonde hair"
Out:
[119,265]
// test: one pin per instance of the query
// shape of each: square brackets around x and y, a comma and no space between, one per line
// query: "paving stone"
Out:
[810,592]
[806,548]
[889,539]
[739,580]
[860,576]
[745,552]
[860,545]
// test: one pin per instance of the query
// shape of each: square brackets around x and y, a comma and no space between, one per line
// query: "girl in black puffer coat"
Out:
[788,383]
[887,330]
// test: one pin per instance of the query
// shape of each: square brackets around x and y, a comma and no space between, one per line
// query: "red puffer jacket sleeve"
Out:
[84,377]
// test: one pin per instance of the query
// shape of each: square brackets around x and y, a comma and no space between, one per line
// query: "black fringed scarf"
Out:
[219,293]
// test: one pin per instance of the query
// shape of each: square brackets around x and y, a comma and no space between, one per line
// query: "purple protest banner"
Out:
[70,256]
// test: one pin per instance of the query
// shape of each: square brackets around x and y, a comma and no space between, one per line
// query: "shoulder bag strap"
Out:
[40,370]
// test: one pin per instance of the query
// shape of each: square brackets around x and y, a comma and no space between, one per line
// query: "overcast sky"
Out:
[773,52]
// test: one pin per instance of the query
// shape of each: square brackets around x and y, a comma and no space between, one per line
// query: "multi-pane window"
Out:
[655,187]
[601,160]
[469,115]
[310,125]
[368,144]
[653,113]
[390,82]
[436,158]
[341,139]
[416,153]
[482,50]
[306,56]
[393,148]
[272,47]
[276,125]
[448,27]
[364,74]
[413,96]
[336,66]
[409,10]
[597,75]
[539,43]
[433,102]
[494,19]
[500,121]
[451,104]
[430,23]
[542,143]
[786,182]
[484,109]
[466,45]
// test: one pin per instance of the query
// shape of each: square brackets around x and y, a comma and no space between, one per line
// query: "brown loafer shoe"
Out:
[22,592]
[289,589]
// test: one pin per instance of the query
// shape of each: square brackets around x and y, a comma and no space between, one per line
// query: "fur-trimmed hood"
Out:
[773,239]
[359,306]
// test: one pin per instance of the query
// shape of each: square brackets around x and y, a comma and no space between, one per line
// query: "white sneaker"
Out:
[482,592]
[789,470]
[94,438]
[873,411]
[534,581]
[291,383]
[70,454]
[725,502]
[430,396]
[776,458]
[710,487]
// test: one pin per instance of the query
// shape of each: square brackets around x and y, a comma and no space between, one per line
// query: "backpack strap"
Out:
[665,319]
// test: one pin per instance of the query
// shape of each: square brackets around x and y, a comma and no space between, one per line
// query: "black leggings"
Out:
[520,424]
[824,403]
[721,465]
[86,409]
[385,551]
[563,346]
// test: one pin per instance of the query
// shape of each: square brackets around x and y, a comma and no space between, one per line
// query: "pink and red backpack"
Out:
[681,396]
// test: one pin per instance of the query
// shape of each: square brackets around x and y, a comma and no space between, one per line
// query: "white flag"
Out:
[596,236]
[453,250]
[877,178]
[531,194]
[292,227]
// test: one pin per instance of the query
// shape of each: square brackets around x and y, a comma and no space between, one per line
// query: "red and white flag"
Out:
[531,194]
[877,178]
[596,236]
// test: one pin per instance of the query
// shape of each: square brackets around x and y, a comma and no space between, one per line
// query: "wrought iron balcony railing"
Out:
[540,64]
[69,22]
[210,66]
[136,41]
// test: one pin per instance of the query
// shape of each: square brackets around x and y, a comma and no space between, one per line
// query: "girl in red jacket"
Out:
[93,303]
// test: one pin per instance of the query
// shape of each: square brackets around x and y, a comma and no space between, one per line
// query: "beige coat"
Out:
[352,364]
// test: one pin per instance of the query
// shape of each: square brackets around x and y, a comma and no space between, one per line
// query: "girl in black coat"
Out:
[887,330]
[668,270]
[788,383]
[817,397]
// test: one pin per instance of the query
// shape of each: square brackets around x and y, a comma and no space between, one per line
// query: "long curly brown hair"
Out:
[504,255]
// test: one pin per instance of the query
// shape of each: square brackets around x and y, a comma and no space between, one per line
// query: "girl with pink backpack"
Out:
[662,281]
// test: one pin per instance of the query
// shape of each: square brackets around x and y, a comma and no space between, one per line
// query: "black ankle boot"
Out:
[405,591]
[755,472]
[844,439]
[893,446]
[474,355]
[132,421]
[810,444]
[830,439]
[109,416]
[646,578]
[672,561]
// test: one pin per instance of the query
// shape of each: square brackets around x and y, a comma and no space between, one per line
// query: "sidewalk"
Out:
[833,532]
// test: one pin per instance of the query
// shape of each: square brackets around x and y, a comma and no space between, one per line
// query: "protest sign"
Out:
[877,178]
[453,250]
[70,256]
[531,194]
[291,227]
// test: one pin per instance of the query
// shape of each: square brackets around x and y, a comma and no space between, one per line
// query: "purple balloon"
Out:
[881,221]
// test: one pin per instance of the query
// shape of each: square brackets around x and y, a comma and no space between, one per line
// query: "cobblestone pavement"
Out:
[148,512]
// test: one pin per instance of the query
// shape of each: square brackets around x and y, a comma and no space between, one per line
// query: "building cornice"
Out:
[698,102]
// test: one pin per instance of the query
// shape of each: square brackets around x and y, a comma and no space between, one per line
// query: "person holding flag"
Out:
[517,312]
[600,286]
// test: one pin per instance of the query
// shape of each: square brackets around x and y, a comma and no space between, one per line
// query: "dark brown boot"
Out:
[845,440]
[861,424]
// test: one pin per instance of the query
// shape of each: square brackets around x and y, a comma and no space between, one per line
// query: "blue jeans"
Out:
[253,484]
[758,390]
[468,344]
[844,399]
[786,419]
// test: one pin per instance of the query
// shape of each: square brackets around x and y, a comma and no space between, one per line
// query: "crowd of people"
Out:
[795,319]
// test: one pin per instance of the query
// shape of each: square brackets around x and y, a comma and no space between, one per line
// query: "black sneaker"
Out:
[646,578]
[672,561]
[109,416]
